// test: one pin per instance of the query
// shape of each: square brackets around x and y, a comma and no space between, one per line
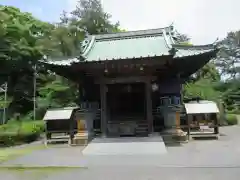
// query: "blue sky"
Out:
[204,21]
[47,10]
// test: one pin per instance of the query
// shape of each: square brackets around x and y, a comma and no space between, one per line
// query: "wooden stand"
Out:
[82,137]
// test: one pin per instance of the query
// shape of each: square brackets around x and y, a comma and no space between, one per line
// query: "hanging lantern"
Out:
[154,87]
[128,88]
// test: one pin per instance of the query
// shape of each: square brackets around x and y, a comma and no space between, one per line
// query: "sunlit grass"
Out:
[11,153]
[37,173]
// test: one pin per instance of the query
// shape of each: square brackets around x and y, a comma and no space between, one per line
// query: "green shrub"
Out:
[18,132]
[231,119]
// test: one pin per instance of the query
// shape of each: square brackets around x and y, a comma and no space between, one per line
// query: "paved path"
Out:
[209,159]
[126,146]
[238,118]
[133,173]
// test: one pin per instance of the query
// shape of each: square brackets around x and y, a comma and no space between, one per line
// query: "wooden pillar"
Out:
[216,125]
[148,91]
[178,124]
[188,126]
[103,109]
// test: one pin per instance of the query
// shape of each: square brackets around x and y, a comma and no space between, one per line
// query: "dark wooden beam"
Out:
[103,109]
[148,91]
[131,79]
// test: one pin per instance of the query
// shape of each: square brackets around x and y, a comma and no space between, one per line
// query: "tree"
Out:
[228,59]
[200,84]
[228,62]
[90,17]
[19,33]
[63,41]
[182,39]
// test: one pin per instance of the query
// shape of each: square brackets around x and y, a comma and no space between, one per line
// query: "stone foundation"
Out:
[81,139]
[174,135]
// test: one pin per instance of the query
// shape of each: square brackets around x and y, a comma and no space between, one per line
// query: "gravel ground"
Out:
[133,173]
[205,159]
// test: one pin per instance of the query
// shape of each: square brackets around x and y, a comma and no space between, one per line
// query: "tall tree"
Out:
[64,41]
[92,18]
[228,62]
[19,33]
[228,59]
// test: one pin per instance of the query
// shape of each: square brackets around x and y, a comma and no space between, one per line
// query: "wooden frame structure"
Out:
[152,57]
[59,125]
[202,119]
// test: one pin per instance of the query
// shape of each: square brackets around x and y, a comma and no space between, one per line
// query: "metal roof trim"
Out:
[194,47]
[169,45]
[65,62]
[146,32]
[171,39]
[125,58]
[180,54]
[88,47]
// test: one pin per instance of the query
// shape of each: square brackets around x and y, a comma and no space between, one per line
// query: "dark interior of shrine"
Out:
[126,102]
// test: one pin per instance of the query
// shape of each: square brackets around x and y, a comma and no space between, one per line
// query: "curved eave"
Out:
[192,50]
[132,34]
[63,62]
[191,64]
[117,46]
[64,70]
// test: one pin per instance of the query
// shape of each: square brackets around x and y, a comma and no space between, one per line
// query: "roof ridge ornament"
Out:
[172,26]
[216,41]
[136,33]
[166,39]
[173,51]
[201,47]
[88,43]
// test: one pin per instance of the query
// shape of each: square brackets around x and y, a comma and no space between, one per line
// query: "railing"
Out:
[132,124]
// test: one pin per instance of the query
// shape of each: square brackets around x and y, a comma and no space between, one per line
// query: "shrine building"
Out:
[132,81]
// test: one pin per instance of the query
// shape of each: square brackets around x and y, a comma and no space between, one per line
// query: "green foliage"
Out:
[55,93]
[231,119]
[91,17]
[228,63]
[229,57]
[19,33]
[202,90]
[18,132]
[3,103]
[203,84]
[24,39]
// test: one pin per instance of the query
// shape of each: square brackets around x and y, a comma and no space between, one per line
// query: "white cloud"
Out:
[203,21]
[71,4]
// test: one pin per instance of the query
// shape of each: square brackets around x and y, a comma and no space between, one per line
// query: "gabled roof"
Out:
[191,50]
[201,107]
[135,45]
[59,114]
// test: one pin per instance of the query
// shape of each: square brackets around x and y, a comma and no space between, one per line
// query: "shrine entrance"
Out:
[126,102]
[127,113]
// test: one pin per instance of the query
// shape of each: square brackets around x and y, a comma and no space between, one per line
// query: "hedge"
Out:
[14,132]
[231,119]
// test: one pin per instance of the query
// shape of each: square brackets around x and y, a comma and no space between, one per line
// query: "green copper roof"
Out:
[137,44]
[189,50]
[127,45]
[133,45]
[128,48]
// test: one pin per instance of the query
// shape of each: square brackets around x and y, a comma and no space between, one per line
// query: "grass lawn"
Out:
[14,152]
[36,173]
[29,173]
